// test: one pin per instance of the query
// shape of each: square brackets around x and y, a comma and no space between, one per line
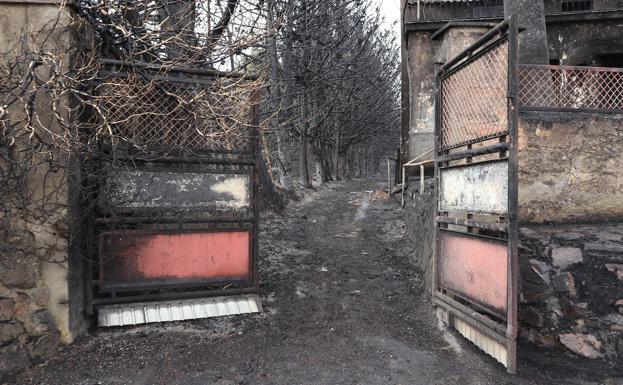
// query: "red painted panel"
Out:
[475,268]
[135,259]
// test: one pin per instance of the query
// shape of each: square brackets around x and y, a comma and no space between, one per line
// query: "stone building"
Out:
[569,153]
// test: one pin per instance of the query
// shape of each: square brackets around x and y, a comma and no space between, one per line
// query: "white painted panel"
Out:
[479,188]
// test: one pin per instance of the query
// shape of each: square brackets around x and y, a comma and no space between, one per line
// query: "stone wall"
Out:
[420,217]
[34,292]
[570,167]
[572,288]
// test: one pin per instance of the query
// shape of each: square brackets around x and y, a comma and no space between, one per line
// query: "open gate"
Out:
[174,195]
[475,255]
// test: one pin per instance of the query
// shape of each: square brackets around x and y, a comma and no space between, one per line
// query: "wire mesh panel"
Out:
[474,99]
[577,88]
[161,114]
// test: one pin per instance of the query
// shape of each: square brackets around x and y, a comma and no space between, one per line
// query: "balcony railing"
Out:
[566,88]
[457,10]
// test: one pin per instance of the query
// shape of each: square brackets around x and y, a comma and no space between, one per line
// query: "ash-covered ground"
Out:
[343,304]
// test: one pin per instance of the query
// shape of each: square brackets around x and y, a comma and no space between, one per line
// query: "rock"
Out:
[7,309]
[564,283]
[603,247]
[615,268]
[607,236]
[570,236]
[542,270]
[13,357]
[9,332]
[616,328]
[19,270]
[563,257]
[585,345]
[40,296]
[568,308]
[39,322]
[531,316]
[44,346]
[529,233]
[614,318]
[532,335]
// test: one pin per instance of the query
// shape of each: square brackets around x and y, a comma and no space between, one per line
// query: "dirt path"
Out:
[343,305]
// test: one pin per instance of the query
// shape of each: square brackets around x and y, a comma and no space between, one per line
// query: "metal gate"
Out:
[475,257]
[174,188]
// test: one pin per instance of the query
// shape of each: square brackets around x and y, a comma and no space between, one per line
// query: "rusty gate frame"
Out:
[460,309]
[245,162]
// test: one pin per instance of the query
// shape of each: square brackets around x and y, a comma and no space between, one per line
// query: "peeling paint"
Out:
[149,189]
[479,188]
[237,188]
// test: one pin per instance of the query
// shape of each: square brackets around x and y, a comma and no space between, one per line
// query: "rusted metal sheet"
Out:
[474,268]
[139,259]
[478,188]
[138,189]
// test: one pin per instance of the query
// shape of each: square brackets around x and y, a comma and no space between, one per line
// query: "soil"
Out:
[343,304]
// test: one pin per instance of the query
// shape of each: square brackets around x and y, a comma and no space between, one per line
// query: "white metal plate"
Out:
[479,188]
[177,310]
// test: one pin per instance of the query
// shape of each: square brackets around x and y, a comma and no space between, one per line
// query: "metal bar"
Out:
[188,70]
[421,179]
[513,263]
[465,165]
[481,322]
[569,109]
[476,140]
[437,130]
[475,306]
[570,68]
[389,180]
[172,79]
[255,121]
[502,227]
[404,186]
[173,295]
[234,160]
[168,219]
[475,152]
[480,42]
[488,237]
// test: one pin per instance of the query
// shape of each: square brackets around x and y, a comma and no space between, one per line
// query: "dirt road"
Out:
[343,304]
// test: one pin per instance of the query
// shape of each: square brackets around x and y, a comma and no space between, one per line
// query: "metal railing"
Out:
[152,109]
[430,10]
[440,10]
[549,87]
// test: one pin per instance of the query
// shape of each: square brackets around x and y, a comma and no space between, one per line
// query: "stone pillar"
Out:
[422,72]
[34,268]
[533,40]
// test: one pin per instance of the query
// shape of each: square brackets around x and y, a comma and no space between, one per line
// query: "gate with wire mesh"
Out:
[475,254]
[174,185]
